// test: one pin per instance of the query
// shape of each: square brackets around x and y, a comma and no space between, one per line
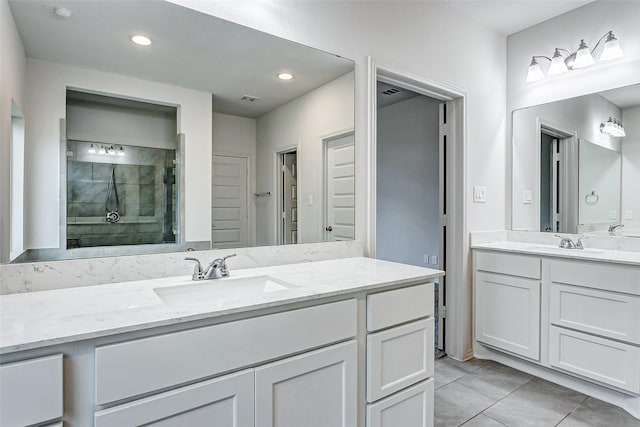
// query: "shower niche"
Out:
[121,179]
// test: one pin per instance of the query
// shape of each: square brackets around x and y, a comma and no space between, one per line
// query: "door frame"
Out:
[325,141]
[458,340]
[277,190]
[250,213]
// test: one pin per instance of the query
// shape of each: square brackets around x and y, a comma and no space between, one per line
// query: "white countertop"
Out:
[588,254]
[39,319]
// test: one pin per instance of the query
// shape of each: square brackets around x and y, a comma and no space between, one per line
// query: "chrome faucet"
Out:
[567,243]
[215,270]
[612,228]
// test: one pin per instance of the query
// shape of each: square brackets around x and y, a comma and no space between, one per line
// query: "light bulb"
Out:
[557,64]
[612,49]
[535,72]
[583,56]
[91,150]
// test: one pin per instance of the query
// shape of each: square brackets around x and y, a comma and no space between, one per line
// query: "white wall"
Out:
[237,135]
[631,166]
[301,123]
[589,22]
[407,219]
[600,173]
[46,98]
[581,115]
[12,87]
[121,125]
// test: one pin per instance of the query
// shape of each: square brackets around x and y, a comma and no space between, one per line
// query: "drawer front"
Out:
[412,407]
[608,362]
[390,308]
[507,313]
[514,265]
[609,314]
[31,391]
[399,357]
[617,278]
[135,367]
[227,401]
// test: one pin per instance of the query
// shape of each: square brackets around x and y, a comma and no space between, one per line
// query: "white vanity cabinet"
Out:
[507,302]
[400,357]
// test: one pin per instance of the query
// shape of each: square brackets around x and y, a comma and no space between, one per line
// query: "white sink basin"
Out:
[212,291]
[564,251]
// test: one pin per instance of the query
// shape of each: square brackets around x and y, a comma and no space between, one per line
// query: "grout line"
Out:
[574,410]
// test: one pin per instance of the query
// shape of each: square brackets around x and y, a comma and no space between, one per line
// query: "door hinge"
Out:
[443,220]
[444,311]
[444,129]
[556,157]
[284,215]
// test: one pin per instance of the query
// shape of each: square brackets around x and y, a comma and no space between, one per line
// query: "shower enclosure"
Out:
[119,195]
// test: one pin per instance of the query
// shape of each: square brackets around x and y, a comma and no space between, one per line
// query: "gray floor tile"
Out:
[537,403]
[455,404]
[481,420]
[495,381]
[444,373]
[595,412]
[469,365]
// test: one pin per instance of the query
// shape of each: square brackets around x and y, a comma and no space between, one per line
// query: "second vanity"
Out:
[567,315]
[344,342]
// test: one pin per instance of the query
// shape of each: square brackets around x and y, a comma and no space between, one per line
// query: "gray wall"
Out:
[407,181]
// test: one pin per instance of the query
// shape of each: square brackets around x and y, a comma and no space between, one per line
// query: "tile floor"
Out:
[480,393]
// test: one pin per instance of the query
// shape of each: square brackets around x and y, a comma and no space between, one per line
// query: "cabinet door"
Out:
[315,389]
[412,407]
[507,313]
[227,400]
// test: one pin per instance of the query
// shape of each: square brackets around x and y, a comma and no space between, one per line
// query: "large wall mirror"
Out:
[576,165]
[214,135]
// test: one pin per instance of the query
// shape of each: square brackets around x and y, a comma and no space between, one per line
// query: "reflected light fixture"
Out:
[91,150]
[62,12]
[581,58]
[613,127]
[285,76]
[102,150]
[111,151]
[121,151]
[141,40]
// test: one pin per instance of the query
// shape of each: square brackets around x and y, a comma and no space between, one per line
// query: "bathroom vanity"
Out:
[567,315]
[344,342]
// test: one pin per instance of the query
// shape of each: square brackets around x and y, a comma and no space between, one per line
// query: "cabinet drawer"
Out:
[390,308]
[604,313]
[412,407]
[608,362]
[228,401]
[135,367]
[31,391]
[617,278]
[514,265]
[507,313]
[399,357]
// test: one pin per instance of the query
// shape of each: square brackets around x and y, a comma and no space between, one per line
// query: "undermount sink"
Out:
[566,251]
[210,291]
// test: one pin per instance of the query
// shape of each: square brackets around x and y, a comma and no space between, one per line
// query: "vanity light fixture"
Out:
[121,152]
[581,58]
[102,150]
[111,151]
[91,150]
[285,76]
[141,40]
[613,127]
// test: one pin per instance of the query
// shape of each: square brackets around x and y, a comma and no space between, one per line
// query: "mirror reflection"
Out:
[575,163]
[211,135]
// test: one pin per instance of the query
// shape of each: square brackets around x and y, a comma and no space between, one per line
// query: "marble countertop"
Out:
[587,254]
[38,319]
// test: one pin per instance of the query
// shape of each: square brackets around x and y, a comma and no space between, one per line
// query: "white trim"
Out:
[459,295]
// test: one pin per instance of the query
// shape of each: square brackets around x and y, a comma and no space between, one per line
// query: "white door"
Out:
[316,389]
[340,189]
[230,225]
[289,194]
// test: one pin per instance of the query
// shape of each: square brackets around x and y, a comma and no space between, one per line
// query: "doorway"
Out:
[230,202]
[287,196]
[339,187]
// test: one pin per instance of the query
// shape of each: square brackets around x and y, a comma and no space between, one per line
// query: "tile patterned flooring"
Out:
[480,393]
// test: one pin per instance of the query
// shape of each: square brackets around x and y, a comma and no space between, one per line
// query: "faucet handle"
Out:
[228,256]
[197,270]
[563,240]
[579,242]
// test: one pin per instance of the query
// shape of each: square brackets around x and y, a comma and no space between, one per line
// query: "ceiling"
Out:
[389,94]
[624,97]
[189,49]
[510,16]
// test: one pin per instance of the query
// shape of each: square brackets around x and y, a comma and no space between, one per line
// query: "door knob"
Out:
[329,228]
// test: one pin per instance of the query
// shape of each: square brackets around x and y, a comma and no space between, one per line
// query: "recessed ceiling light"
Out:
[141,40]
[285,76]
[62,12]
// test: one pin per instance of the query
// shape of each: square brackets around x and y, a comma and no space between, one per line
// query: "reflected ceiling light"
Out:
[62,12]
[581,58]
[613,127]
[141,40]
[91,150]
[285,76]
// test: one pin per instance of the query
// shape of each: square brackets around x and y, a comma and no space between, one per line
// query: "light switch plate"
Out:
[527,197]
[479,194]
[628,214]
[613,214]
[434,259]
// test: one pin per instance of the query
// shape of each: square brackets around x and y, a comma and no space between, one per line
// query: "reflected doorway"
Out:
[288,197]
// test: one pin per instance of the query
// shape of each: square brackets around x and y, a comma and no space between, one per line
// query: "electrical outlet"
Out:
[426,259]
[479,194]
[628,214]
[434,259]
